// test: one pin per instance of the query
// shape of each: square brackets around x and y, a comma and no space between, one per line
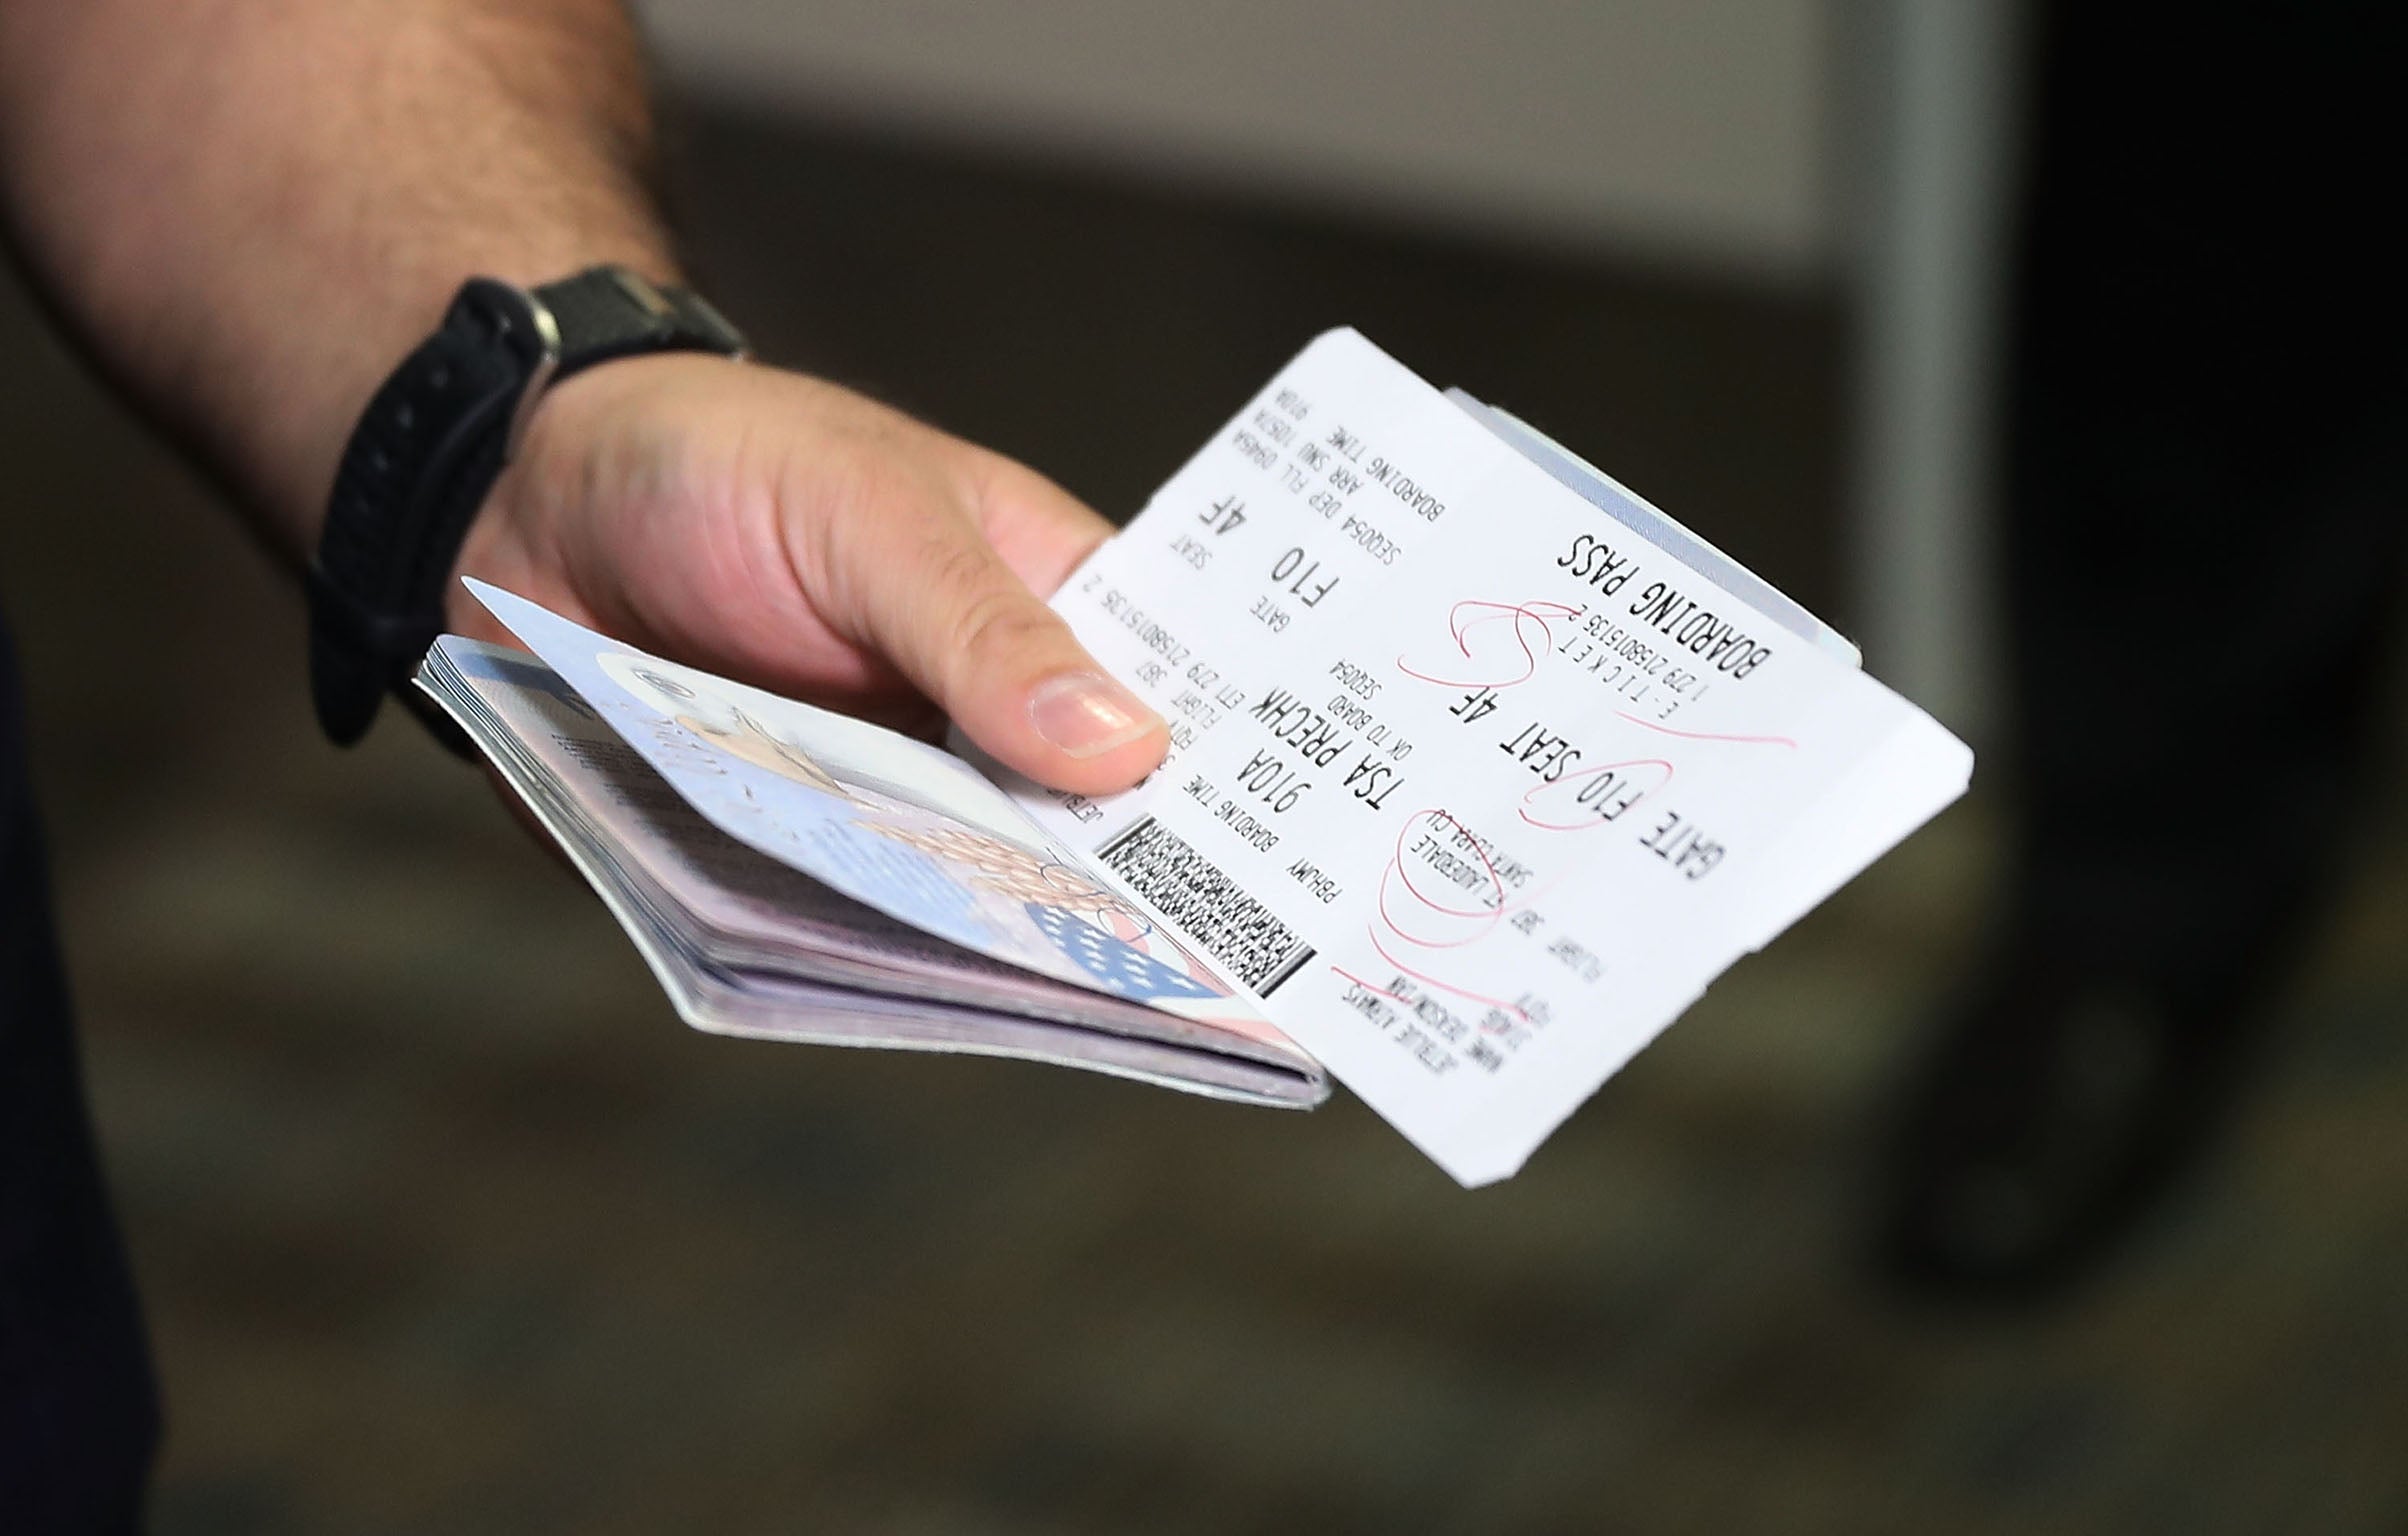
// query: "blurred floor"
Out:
[445,1224]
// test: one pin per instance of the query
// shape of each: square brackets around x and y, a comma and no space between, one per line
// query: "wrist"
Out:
[556,527]
[429,449]
[406,307]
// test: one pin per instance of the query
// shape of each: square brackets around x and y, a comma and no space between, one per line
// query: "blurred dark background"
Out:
[443,1222]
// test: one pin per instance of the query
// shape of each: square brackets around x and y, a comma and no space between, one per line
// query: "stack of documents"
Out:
[1482,770]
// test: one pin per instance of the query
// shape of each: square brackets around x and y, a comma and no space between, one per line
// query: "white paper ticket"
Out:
[1475,786]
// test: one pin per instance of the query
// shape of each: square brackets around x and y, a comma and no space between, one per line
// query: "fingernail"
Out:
[1086,714]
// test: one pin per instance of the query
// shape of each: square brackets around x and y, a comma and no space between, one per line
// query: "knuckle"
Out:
[994,622]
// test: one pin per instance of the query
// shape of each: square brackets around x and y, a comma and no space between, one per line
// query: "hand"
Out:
[799,537]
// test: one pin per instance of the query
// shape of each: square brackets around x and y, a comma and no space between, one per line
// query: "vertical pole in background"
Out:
[1938,85]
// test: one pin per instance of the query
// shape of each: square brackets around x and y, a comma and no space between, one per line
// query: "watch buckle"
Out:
[539,378]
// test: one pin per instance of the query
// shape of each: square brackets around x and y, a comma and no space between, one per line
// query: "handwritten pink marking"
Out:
[1497,1003]
[1517,612]
[1583,826]
[1403,872]
[1488,919]
[1345,974]
[1745,741]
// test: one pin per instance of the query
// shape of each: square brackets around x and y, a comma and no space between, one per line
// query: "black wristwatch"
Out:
[429,448]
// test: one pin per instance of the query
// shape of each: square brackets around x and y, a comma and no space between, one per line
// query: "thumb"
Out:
[968,632]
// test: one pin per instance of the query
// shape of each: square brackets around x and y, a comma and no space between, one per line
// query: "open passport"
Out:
[1482,769]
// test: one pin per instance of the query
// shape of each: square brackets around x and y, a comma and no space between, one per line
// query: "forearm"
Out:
[251,209]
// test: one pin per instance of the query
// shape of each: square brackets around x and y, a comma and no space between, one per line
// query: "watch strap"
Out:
[426,450]
[610,313]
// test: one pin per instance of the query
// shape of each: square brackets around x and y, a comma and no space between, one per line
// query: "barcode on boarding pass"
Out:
[1206,905]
